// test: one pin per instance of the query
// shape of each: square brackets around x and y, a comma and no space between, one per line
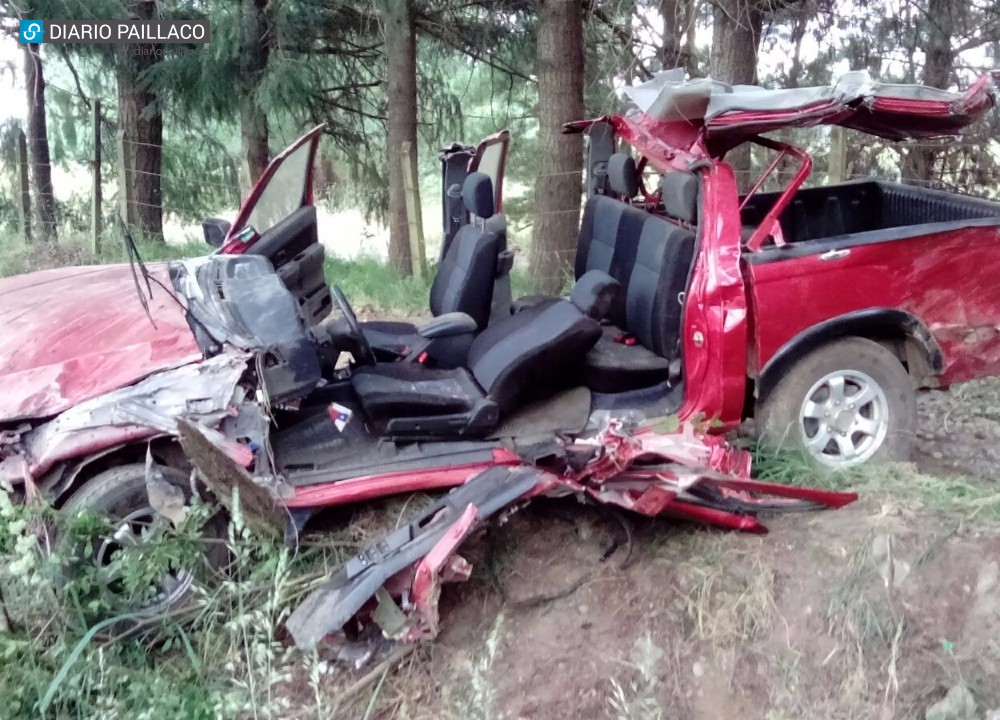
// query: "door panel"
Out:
[491,158]
[457,161]
[278,221]
[294,250]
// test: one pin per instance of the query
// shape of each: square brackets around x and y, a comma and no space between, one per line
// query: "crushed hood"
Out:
[71,334]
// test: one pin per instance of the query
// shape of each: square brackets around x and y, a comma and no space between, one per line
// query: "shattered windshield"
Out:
[283,193]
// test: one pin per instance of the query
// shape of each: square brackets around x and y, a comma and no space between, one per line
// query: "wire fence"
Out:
[163,191]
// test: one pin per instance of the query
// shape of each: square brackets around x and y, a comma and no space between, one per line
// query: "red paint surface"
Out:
[367,487]
[714,325]
[947,280]
[426,583]
[71,334]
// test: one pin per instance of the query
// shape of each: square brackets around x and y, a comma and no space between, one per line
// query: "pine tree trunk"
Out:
[139,116]
[38,146]
[676,22]
[736,30]
[401,120]
[799,24]
[558,186]
[918,164]
[257,41]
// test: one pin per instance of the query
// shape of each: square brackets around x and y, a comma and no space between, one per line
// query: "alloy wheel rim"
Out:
[143,526]
[844,418]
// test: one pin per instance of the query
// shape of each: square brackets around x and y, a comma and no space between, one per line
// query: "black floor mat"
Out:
[315,441]
[566,412]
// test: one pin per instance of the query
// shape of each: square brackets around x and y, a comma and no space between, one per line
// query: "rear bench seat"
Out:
[650,257]
[654,258]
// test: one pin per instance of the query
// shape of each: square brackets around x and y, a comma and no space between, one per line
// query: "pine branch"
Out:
[76,77]
[456,41]
[623,35]
[351,86]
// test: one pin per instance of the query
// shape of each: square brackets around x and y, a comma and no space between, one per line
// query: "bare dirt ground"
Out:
[873,611]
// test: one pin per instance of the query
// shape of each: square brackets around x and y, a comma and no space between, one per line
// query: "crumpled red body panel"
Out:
[74,333]
[686,474]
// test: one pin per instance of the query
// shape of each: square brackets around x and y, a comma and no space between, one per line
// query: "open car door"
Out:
[278,220]
[457,162]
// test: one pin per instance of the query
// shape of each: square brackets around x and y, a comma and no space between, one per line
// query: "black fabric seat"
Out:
[653,305]
[531,354]
[465,277]
[639,349]
[679,194]
[605,220]
[650,256]
[612,366]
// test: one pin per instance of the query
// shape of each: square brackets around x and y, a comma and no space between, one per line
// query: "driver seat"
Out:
[465,276]
[533,353]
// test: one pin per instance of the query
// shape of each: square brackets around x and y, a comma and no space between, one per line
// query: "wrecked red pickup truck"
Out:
[819,311]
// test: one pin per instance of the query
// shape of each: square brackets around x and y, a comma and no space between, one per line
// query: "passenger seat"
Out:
[464,280]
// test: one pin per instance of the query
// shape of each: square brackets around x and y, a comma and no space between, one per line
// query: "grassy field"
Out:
[370,284]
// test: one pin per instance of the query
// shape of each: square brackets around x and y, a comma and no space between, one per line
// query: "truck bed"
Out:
[870,211]
[862,255]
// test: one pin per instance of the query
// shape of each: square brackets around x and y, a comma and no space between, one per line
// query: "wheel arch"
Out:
[64,479]
[900,331]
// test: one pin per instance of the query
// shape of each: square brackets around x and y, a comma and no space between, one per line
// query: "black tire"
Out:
[119,493]
[780,417]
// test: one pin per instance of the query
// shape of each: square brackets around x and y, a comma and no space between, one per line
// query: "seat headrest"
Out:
[680,196]
[622,175]
[477,194]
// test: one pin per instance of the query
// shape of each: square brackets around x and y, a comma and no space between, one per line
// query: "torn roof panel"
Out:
[73,333]
[722,115]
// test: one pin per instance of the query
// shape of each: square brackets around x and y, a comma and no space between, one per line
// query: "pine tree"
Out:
[560,100]
[38,146]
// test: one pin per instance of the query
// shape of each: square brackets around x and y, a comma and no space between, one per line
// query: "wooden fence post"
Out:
[24,201]
[414,213]
[96,218]
[126,204]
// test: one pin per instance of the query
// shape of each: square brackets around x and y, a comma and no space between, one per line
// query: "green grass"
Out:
[367,282]
[220,657]
[954,496]
[370,282]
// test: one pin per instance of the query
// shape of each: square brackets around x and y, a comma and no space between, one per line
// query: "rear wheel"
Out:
[846,403]
[119,495]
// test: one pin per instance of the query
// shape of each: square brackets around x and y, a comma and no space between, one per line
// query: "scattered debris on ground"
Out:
[879,610]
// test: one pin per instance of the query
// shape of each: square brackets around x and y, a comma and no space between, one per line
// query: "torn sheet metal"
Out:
[260,497]
[201,392]
[75,333]
[674,122]
[354,584]
[856,100]
[684,474]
